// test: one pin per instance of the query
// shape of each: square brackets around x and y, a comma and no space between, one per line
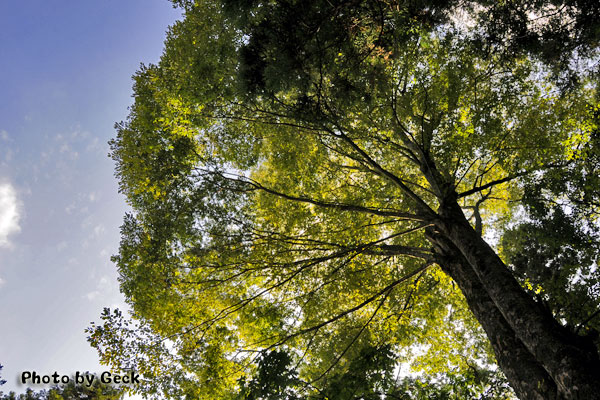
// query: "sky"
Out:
[65,79]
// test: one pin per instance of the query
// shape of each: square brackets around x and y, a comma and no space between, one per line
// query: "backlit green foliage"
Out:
[279,165]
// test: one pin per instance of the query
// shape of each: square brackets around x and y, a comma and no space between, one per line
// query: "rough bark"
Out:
[572,365]
[527,377]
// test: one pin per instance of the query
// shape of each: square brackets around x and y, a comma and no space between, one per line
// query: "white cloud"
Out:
[9,213]
[67,149]
[98,230]
[92,295]
[103,288]
[6,153]
[69,209]
[94,145]
[2,282]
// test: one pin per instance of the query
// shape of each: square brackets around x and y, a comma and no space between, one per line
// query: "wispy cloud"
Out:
[92,295]
[98,230]
[9,213]
[6,153]
[103,288]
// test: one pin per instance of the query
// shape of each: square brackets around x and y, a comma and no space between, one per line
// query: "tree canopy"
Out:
[97,391]
[310,180]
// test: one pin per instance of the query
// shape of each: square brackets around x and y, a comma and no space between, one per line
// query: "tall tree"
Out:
[309,174]
[97,391]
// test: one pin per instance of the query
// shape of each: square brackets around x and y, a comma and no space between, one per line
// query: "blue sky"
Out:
[65,79]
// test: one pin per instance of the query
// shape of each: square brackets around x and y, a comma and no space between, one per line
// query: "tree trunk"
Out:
[527,377]
[572,365]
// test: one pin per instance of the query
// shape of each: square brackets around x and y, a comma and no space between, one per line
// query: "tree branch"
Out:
[333,205]
[492,183]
